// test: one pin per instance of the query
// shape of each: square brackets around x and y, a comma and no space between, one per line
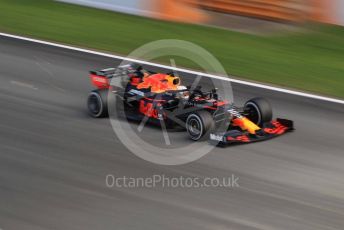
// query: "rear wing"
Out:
[104,72]
[101,78]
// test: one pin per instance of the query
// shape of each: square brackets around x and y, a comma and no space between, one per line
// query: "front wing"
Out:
[270,130]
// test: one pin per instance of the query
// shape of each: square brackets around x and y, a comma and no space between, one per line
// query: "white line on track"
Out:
[293,92]
[23,84]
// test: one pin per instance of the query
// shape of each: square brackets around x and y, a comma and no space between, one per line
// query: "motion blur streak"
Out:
[327,11]
[54,159]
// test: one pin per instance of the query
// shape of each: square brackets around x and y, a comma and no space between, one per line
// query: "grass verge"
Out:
[311,61]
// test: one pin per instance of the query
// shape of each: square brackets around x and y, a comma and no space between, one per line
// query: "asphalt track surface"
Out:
[54,159]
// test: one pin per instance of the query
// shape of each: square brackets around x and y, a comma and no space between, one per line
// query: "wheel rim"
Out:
[94,104]
[254,114]
[194,128]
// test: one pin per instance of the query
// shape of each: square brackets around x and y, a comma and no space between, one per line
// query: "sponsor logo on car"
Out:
[216,137]
[134,91]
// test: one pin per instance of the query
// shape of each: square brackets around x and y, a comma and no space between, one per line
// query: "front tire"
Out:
[97,103]
[199,125]
[259,110]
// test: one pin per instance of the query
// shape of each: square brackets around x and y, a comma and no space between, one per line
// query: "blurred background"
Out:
[203,11]
[313,45]
[295,44]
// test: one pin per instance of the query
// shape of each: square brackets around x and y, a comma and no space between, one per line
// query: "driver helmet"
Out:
[183,94]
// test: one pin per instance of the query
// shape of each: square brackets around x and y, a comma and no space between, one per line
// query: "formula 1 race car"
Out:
[160,98]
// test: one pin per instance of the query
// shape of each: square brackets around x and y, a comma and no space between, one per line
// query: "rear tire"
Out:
[259,110]
[199,125]
[97,103]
